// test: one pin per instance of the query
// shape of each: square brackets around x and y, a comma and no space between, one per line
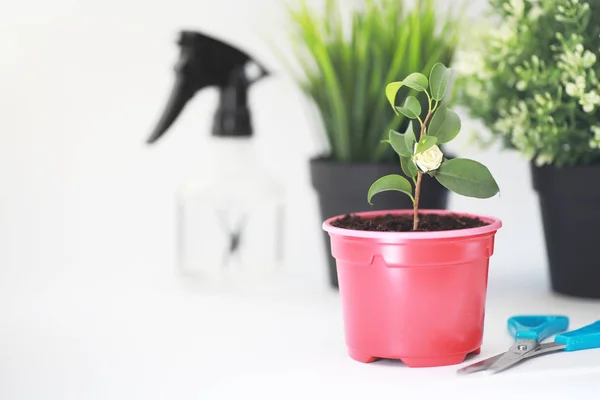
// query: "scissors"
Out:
[528,331]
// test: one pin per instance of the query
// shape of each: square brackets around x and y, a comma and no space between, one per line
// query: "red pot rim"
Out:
[494,225]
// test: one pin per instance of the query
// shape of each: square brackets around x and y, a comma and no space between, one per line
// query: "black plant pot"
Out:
[570,206]
[342,188]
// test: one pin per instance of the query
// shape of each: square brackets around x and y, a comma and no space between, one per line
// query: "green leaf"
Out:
[410,138]
[390,182]
[398,143]
[444,125]
[391,90]
[408,166]
[413,104]
[425,143]
[416,81]
[385,141]
[438,80]
[411,108]
[467,177]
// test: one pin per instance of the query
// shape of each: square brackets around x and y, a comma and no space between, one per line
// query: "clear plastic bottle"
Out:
[230,214]
[230,223]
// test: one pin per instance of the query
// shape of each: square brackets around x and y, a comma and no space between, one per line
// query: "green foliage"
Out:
[439,77]
[462,176]
[467,177]
[408,167]
[534,79]
[415,81]
[444,125]
[390,182]
[411,108]
[343,64]
[410,138]
[425,143]
[399,144]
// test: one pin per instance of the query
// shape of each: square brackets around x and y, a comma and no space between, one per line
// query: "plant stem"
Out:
[417,196]
[424,124]
[419,176]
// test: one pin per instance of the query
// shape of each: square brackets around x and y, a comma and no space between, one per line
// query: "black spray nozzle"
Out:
[205,62]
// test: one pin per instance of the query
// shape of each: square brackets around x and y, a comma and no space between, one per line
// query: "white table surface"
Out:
[125,337]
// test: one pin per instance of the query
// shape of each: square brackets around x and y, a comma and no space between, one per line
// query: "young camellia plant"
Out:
[397,300]
[422,155]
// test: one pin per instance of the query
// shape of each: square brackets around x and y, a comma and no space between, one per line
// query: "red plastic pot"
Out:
[414,296]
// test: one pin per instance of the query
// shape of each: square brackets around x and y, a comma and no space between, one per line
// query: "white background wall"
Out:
[81,85]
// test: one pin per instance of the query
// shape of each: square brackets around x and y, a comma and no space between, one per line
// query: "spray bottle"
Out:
[230,219]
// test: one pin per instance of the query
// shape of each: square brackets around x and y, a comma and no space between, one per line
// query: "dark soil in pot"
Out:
[404,223]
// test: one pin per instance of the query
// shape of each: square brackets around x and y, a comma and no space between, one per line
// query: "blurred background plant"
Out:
[533,79]
[344,64]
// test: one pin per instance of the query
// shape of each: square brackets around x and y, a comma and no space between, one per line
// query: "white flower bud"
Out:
[535,13]
[587,107]
[589,59]
[430,159]
[518,6]
[589,101]
[543,159]
[539,99]
[572,89]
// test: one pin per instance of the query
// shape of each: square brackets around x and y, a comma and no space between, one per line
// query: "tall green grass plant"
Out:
[344,62]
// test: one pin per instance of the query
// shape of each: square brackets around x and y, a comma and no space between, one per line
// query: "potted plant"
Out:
[413,282]
[534,83]
[341,70]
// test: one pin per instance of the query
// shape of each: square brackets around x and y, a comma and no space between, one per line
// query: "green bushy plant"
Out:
[342,64]
[534,79]
[420,154]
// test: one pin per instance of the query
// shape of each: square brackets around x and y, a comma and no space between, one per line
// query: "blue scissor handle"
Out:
[584,338]
[536,327]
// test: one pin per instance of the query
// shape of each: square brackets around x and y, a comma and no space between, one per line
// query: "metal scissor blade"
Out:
[518,351]
[480,365]
[545,349]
